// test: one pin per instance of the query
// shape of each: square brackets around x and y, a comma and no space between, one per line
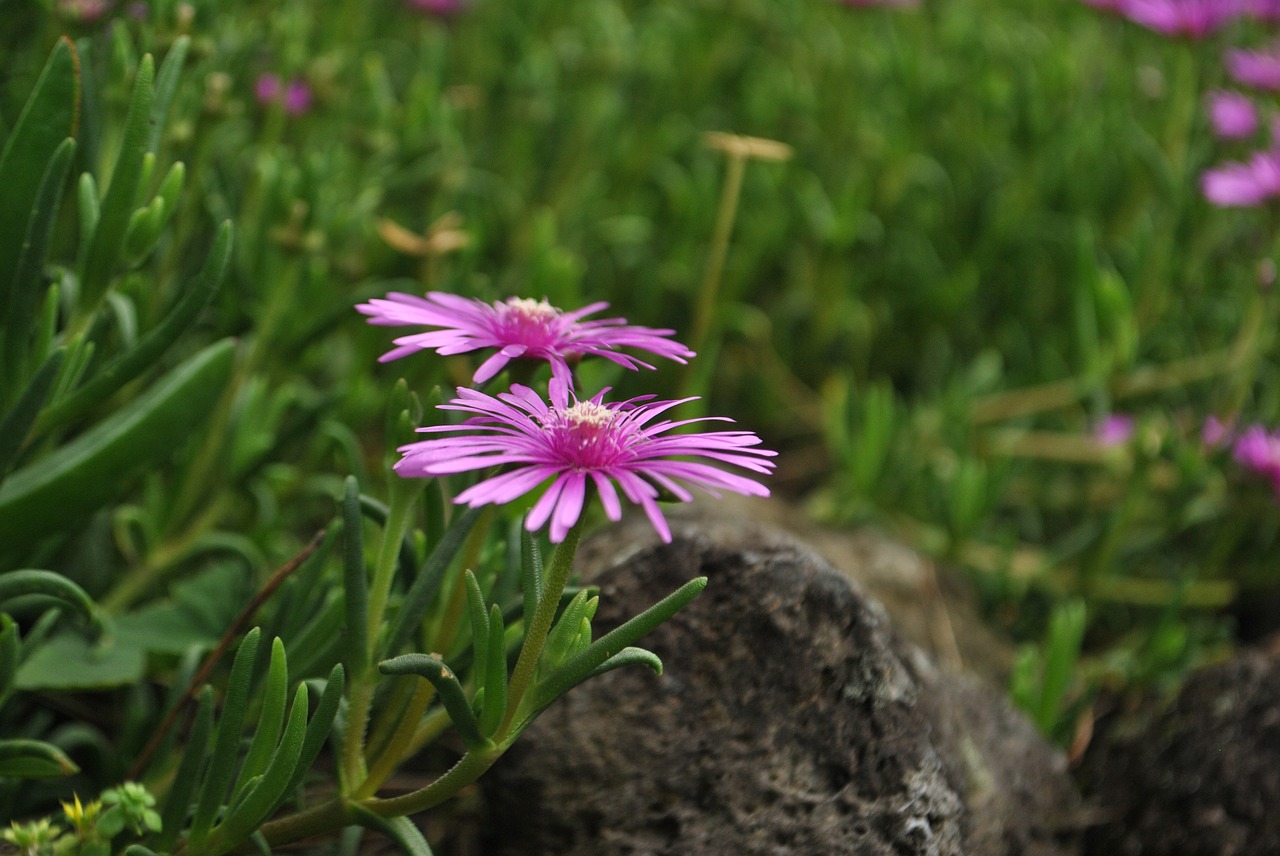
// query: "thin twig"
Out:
[224,644]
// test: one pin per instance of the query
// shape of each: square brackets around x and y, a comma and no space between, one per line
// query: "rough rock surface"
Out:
[792,720]
[1200,777]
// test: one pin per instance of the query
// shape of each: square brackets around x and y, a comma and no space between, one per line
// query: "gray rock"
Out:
[792,719]
[1201,775]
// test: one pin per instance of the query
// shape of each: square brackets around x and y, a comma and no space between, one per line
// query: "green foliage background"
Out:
[988,237]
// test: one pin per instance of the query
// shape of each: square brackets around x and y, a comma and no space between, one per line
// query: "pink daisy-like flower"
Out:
[1194,19]
[1232,115]
[1259,450]
[576,444]
[1245,184]
[1115,429]
[1257,68]
[517,327]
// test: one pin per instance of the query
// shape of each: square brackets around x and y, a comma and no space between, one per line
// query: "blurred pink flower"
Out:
[517,327]
[581,445]
[1243,184]
[1259,450]
[294,97]
[1257,68]
[1194,19]
[1232,115]
[1217,434]
[1115,429]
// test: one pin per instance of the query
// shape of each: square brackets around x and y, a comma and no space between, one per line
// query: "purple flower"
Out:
[1232,115]
[1217,434]
[1259,450]
[294,97]
[1192,18]
[1257,68]
[1114,430]
[1247,184]
[579,444]
[517,327]
[297,98]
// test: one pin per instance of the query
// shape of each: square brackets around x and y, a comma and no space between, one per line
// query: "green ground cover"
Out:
[986,235]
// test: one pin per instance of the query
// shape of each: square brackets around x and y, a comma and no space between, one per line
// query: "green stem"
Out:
[536,634]
[404,496]
[711,279]
[360,701]
[469,768]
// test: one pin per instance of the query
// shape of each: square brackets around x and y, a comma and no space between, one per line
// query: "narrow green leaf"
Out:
[479,617]
[447,685]
[34,759]
[16,424]
[90,212]
[178,801]
[222,763]
[427,583]
[100,263]
[495,675]
[530,573]
[629,657]
[154,343]
[48,118]
[18,301]
[355,580]
[143,231]
[319,727]
[400,830]
[377,512]
[580,667]
[48,584]
[562,635]
[270,720]
[166,85]
[88,472]
[10,645]
[270,790]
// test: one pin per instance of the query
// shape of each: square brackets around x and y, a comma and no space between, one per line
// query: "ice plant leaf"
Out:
[10,648]
[153,344]
[494,675]
[270,718]
[447,685]
[355,580]
[34,759]
[319,726]
[25,583]
[479,617]
[166,85]
[570,446]
[530,573]
[17,422]
[582,665]
[401,830]
[417,600]
[629,657]
[222,763]
[195,752]
[99,264]
[18,301]
[88,472]
[265,797]
[48,118]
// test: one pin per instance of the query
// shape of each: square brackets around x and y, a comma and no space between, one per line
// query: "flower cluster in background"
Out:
[1256,448]
[575,446]
[294,97]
